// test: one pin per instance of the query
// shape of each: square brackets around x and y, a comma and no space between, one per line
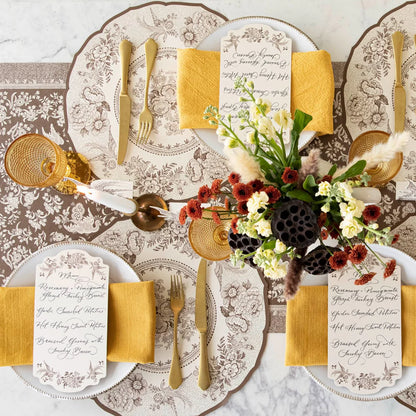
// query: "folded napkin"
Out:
[307,326]
[131,323]
[199,82]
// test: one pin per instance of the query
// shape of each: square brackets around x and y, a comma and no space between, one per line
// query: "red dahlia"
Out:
[357,254]
[242,192]
[388,271]
[321,219]
[242,208]
[325,178]
[234,178]
[257,185]
[290,175]
[273,194]
[371,212]
[347,249]
[338,260]
[333,232]
[234,222]
[182,215]
[216,186]
[194,210]
[204,194]
[365,278]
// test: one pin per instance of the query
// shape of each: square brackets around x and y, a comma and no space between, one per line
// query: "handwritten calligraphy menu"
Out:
[364,329]
[70,326]
[262,55]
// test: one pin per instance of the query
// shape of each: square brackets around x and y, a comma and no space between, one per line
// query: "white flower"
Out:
[230,143]
[247,228]
[344,190]
[283,119]
[263,227]
[263,258]
[326,207]
[222,131]
[250,138]
[324,189]
[254,112]
[276,270]
[265,126]
[256,201]
[267,105]
[279,247]
[350,227]
[354,208]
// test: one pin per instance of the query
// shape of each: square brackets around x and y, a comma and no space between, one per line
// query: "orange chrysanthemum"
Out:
[390,267]
[194,210]
[338,260]
[357,254]
[365,278]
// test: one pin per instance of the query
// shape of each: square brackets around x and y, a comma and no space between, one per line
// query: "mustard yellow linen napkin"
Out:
[131,323]
[307,327]
[199,81]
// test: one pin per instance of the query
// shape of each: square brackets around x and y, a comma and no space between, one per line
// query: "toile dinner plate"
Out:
[120,271]
[300,43]
[408,379]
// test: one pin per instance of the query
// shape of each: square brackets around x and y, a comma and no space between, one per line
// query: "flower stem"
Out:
[376,255]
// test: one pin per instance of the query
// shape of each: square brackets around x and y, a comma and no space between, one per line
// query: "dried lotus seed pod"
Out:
[317,261]
[295,224]
[245,243]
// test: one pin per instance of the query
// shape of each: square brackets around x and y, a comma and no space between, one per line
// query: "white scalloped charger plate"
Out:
[319,372]
[300,43]
[120,271]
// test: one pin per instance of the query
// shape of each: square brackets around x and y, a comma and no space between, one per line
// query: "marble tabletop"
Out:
[51,31]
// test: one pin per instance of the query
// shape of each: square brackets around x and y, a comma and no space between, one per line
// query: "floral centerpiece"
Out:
[280,203]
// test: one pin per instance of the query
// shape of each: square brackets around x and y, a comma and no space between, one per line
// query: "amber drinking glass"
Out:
[35,161]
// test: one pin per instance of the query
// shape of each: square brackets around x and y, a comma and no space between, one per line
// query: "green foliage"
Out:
[355,170]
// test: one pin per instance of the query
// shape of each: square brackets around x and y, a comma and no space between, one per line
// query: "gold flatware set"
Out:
[146,117]
[177,302]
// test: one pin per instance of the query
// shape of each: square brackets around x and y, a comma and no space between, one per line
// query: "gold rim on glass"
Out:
[209,239]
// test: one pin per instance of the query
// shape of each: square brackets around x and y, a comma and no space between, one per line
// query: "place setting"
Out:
[199,140]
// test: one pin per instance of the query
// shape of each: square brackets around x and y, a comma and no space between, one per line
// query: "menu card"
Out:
[262,55]
[364,328]
[70,326]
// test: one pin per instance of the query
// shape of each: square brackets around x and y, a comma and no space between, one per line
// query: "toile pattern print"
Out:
[368,89]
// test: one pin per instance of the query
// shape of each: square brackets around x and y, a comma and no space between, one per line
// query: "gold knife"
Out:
[399,92]
[201,324]
[125,103]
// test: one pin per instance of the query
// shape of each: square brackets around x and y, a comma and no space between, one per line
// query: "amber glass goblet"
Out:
[209,239]
[35,161]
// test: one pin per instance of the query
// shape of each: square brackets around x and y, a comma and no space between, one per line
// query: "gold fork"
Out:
[177,301]
[146,118]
